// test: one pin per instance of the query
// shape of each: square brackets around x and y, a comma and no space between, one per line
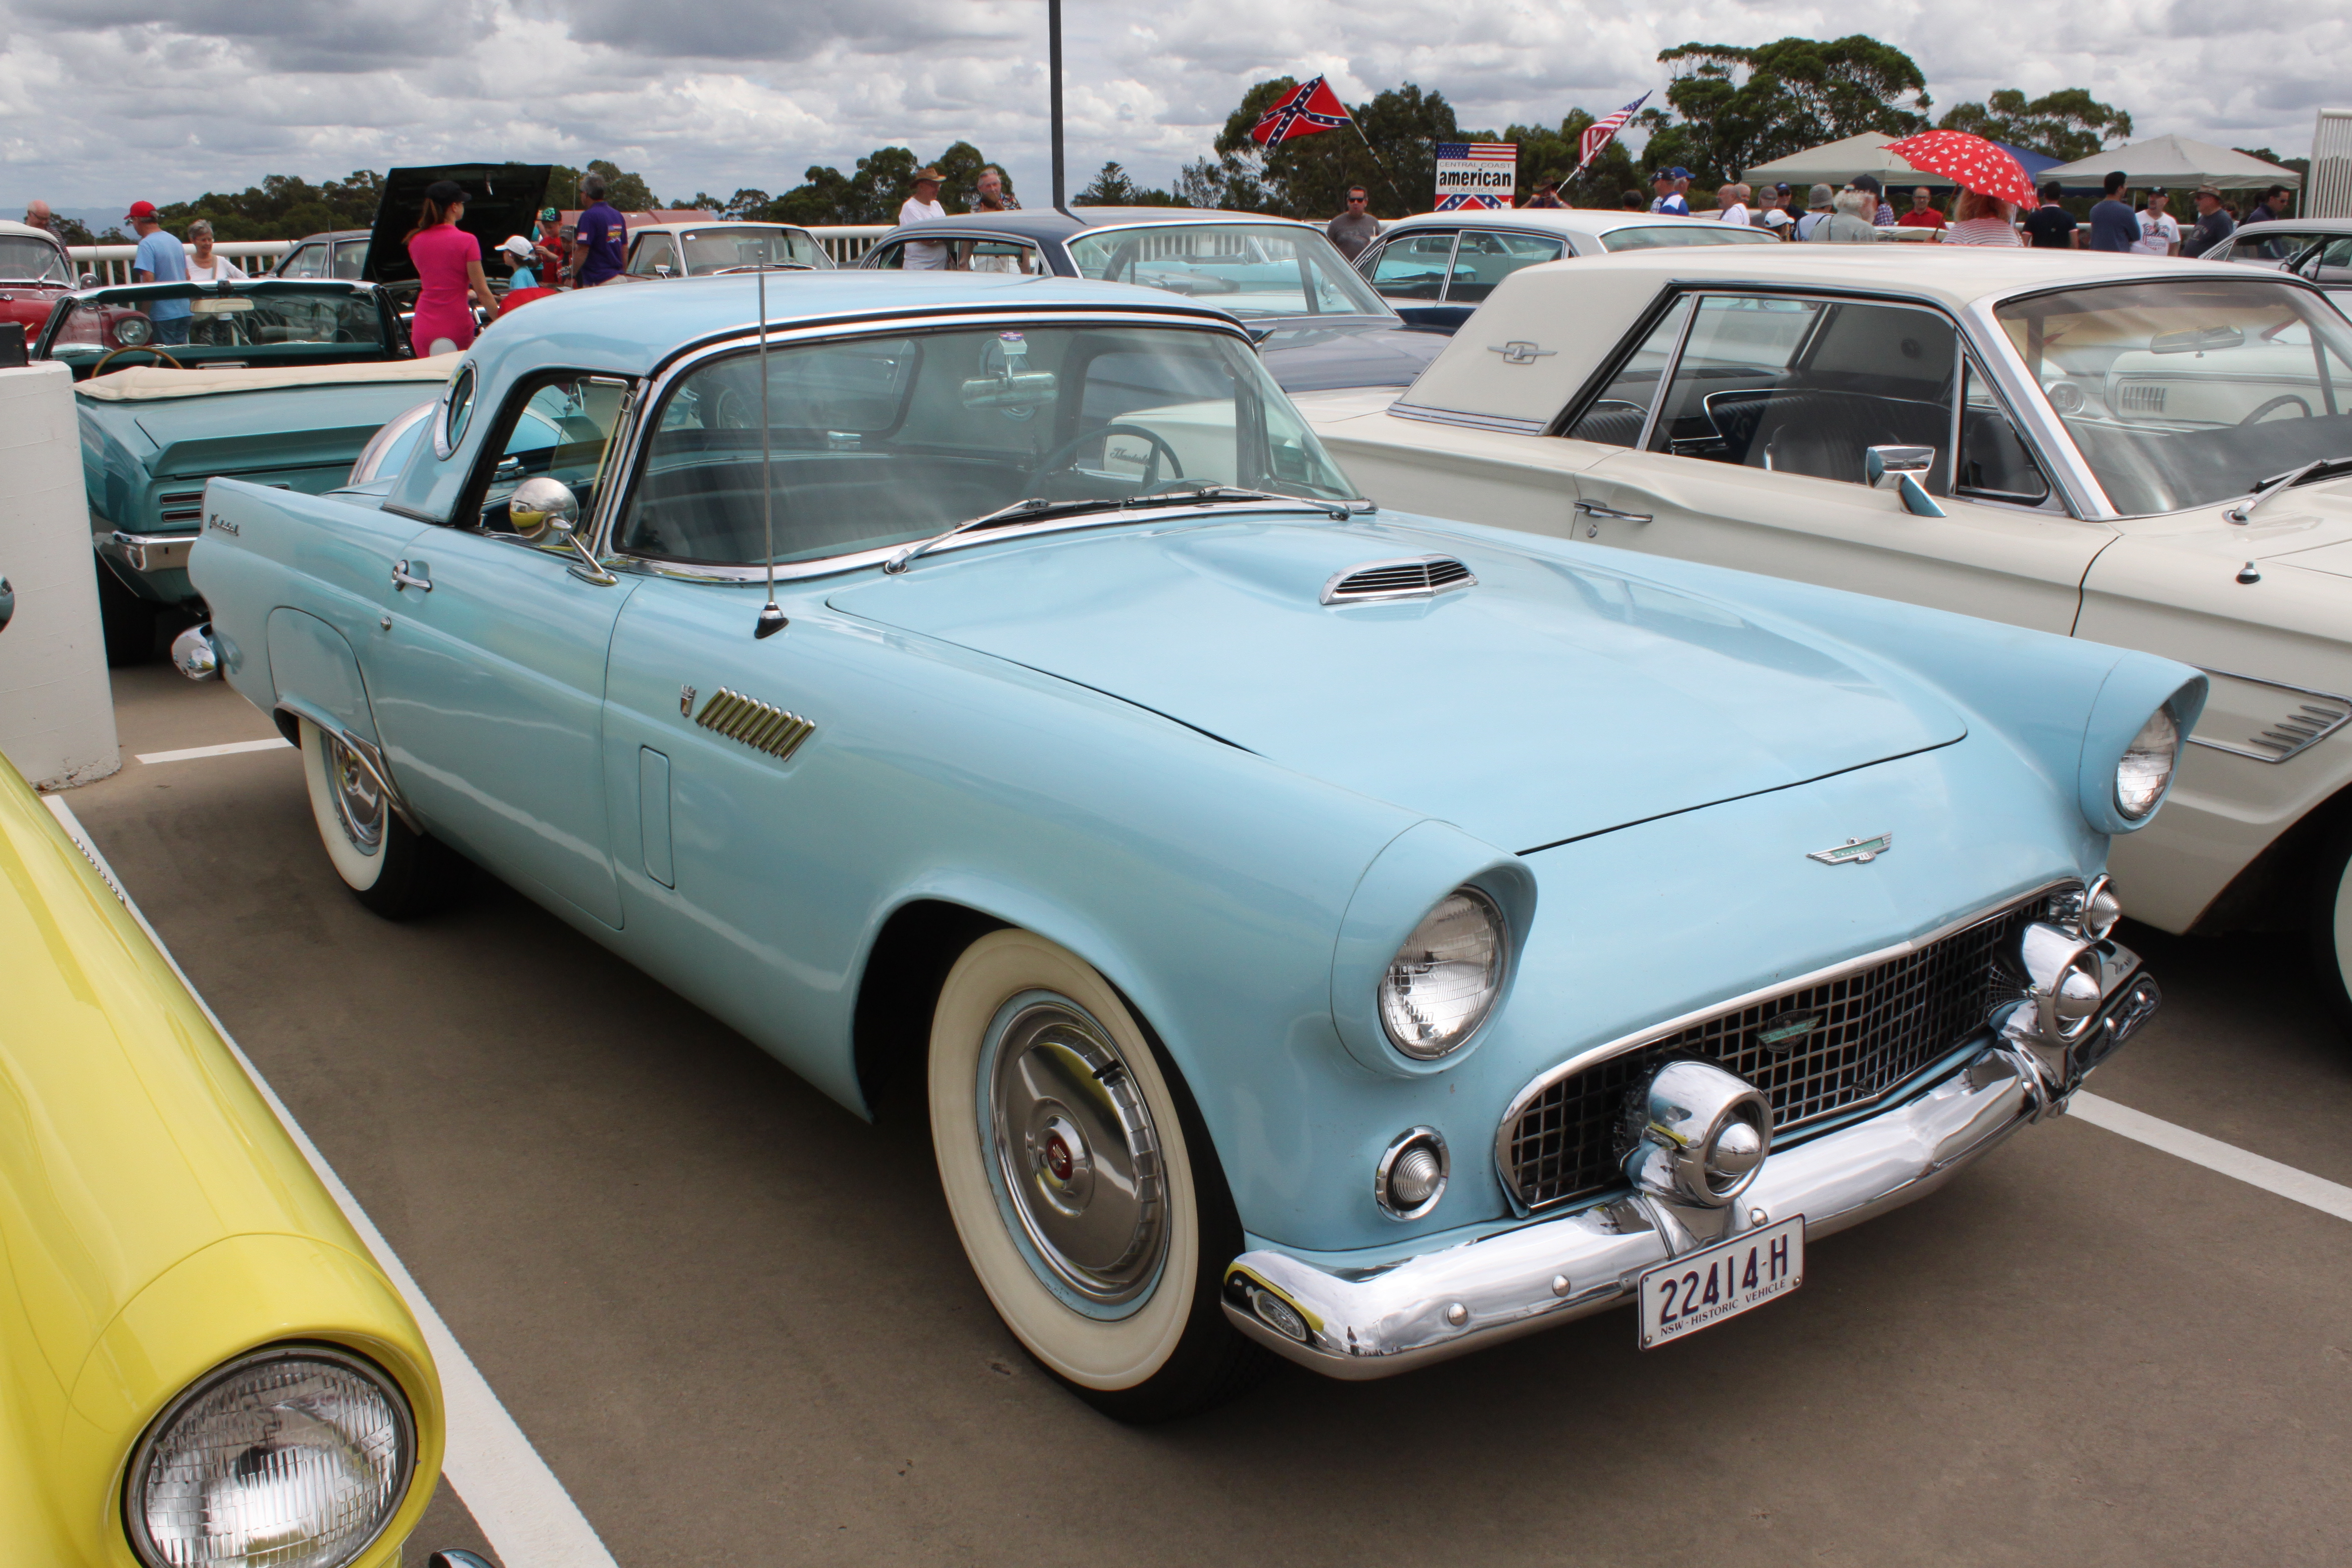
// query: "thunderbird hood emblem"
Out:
[1860,851]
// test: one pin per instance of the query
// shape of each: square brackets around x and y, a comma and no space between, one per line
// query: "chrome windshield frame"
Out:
[655,391]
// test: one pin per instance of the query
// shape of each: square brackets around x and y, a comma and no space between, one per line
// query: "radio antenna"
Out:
[771,618]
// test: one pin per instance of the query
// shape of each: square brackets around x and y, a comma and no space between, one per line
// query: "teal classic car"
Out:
[1307,928]
[278,382]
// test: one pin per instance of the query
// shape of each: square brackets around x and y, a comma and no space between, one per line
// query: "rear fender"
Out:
[315,675]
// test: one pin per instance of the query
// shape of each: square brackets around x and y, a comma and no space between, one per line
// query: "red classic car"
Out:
[35,273]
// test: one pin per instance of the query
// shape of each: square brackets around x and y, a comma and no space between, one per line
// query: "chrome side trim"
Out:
[1675,1026]
[763,726]
[1508,426]
[2291,736]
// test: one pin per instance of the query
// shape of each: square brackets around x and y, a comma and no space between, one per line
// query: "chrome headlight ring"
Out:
[299,1453]
[1443,982]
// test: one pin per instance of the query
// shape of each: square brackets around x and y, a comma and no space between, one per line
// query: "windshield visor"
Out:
[199,323]
[718,250]
[1250,269]
[876,442]
[24,260]
[2185,394]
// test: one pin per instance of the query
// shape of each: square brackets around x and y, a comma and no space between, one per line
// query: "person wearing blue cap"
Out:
[1670,184]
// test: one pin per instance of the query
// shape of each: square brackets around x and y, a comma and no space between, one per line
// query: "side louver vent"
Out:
[1414,578]
[759,725]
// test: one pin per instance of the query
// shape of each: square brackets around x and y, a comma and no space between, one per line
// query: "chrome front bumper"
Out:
[149,552]
[1375,1322]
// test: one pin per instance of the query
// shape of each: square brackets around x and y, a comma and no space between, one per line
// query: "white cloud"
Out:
[110,100]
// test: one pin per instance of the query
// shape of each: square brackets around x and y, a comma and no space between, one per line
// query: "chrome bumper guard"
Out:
[1375,1322]
[149,552]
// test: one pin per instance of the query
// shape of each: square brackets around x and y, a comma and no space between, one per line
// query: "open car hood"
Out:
[1546,702]
[500,199]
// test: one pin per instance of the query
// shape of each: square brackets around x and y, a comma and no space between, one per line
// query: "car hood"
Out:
[1305,355]
[1546,702]
[500,199]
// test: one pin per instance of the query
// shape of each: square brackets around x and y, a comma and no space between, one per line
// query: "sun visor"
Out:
[1536,341]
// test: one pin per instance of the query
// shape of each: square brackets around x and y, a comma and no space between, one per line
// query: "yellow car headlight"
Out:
[295,1456]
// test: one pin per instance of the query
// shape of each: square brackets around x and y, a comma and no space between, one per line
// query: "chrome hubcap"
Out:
[359,799]
[1077,1154]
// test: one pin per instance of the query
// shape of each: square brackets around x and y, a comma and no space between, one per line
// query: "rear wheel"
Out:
[393,870]
[126,620]
[2331,923]
[1082,1184]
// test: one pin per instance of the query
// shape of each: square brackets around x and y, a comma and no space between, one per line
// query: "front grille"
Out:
[1815,1051]
[1398,580]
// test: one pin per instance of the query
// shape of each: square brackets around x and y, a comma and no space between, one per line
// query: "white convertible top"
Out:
[153,383]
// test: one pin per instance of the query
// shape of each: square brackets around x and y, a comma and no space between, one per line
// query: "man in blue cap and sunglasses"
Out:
[1670,184]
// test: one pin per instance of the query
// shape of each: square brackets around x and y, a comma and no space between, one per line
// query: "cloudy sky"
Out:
[106,101]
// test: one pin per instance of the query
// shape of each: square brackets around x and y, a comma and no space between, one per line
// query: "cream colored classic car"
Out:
[2140,451]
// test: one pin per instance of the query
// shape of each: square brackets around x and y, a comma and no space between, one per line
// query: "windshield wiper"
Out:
[1037,507]
[2279,484]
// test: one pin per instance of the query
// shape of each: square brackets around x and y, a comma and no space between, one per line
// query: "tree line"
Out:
[1726,109]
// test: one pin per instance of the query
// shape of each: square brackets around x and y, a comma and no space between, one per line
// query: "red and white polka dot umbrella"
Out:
[1977,164]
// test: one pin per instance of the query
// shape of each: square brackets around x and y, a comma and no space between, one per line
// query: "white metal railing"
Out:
[2327,191]
[112,263]
[846,242]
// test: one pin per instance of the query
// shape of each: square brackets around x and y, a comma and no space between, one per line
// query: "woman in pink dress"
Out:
[449,267]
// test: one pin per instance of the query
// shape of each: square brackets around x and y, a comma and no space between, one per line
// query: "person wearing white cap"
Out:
[517,250]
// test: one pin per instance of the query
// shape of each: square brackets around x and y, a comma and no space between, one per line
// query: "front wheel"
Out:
[394,870]
[1082,1184]
[2331,924]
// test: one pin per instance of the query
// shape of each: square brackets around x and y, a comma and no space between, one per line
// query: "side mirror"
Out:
[89,281]
[661,269]
[1898,468]
[544,509]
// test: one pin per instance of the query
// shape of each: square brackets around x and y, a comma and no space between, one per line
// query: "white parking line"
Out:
[2319,1193]
[523,1511]
[230,750]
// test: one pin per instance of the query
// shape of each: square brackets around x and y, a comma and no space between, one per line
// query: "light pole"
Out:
[1054,72]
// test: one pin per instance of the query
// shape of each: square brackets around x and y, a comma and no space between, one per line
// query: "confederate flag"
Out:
[1311,106]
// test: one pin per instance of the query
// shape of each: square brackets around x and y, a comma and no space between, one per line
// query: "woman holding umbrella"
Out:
[1992,184]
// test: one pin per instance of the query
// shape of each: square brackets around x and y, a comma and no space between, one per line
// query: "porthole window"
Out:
[457,404]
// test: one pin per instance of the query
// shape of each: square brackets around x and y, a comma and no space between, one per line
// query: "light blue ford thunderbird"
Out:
[1306,927]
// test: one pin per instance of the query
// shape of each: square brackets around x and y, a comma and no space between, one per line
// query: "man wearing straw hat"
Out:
[923,207]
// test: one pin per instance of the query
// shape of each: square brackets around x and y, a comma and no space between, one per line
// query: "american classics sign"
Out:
[1476,173]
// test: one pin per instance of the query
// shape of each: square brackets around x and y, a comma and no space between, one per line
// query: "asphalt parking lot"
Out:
[735,1321]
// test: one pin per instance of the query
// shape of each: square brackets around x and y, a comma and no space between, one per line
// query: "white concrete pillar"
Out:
[56,711]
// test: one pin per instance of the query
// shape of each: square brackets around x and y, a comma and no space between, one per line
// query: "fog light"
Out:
[1412,1175]
[2063,974]
[1277,1315]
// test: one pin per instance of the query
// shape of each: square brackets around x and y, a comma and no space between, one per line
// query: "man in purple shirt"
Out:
[599,239]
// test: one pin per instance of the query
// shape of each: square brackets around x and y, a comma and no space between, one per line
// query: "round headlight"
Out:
[133,332]
[1443,981]
[296,1457]
[2146,766]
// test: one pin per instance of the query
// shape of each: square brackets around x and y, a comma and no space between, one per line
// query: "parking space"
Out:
[735,1320]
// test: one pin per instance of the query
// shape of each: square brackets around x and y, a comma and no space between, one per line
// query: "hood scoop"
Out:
[1413,577]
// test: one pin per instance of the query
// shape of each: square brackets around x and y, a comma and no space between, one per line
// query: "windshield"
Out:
[1654,235]
[2184,393]
[24,260]
[714,250]
[1248,268]
[261,322]
[875,442]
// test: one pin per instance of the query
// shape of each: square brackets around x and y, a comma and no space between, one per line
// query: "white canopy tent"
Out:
[2176,162]
[1835,162]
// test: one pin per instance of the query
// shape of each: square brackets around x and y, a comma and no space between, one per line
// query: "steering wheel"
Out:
[99,368]
[1054,461]
[2281,401]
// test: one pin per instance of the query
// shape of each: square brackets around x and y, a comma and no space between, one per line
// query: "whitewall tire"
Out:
[393,870]
[2332,924]
[1080,1181]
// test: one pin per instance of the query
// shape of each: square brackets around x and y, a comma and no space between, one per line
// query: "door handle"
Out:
[401,579]
[1594,509]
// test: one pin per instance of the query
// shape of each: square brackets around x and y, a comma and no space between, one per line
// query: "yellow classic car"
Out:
[201,1364]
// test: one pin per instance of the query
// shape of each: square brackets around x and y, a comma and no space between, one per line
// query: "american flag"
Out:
[1599,134]
[1311,106]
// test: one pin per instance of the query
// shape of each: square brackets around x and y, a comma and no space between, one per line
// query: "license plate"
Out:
[1700,1288]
